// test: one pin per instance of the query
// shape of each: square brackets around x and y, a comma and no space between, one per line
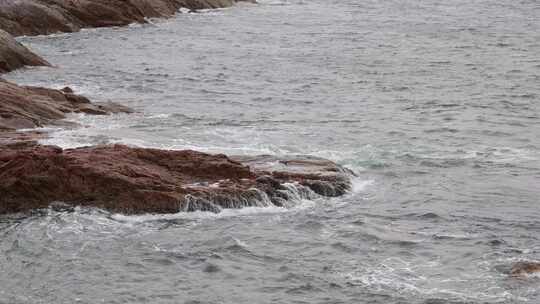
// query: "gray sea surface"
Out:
[435,104]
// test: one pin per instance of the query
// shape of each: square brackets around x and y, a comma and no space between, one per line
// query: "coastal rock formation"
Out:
[14,55]
[521,269]
[138,180]
[121,178]
[30,107]
[40,17]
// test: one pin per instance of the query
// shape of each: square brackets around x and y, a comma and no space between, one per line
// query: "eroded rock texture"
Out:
[137,180]
[29,107]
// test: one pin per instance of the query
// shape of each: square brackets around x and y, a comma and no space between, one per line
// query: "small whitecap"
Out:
[359,185]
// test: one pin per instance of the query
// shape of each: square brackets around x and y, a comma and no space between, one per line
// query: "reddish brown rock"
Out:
[14,55]
[39,17]
[30,107]
[20,139]
[136,180]
[521,269]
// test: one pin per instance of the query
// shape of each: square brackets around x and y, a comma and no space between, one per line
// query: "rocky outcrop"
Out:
[39,17]
[522,269]
[30,107]
[137,180]
[14,55]
[121,178]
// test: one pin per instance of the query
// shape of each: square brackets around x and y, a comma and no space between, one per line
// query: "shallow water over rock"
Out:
[435,105]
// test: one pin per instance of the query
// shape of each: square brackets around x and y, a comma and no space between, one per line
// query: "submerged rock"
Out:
[40,17]
[30,107]
[521,269]
[136,180]
[14,55]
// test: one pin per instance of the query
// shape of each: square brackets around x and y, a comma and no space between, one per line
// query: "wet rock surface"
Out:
[39,17]
[137,180]
[322,176]
[524,268]
[29,107]
[14,55]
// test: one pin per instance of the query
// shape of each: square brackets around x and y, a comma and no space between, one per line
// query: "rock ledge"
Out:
[14,55]
[131,180]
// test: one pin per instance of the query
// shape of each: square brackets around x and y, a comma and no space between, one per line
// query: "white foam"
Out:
[405,277]
[299,199]
[225,213]
[360,185]
[212,11]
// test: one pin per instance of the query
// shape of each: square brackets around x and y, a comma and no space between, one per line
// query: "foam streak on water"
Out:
[436,104]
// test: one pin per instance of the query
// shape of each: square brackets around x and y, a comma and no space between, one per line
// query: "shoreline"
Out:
[134,180]
[131,180]
[40,17]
